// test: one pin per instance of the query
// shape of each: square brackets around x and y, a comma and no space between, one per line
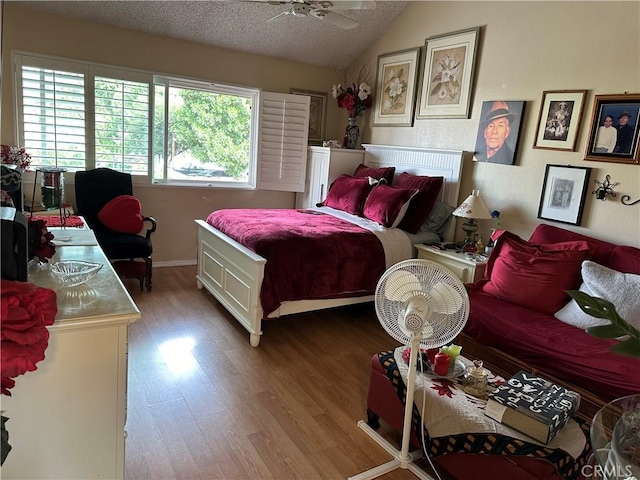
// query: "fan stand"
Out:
[402,458]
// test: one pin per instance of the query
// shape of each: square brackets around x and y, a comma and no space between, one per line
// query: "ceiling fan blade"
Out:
[278,16]
[345,4]
[335,19]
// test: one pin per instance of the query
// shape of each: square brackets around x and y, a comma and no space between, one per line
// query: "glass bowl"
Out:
[74,272]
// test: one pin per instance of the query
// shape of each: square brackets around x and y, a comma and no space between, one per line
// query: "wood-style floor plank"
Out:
[204,404]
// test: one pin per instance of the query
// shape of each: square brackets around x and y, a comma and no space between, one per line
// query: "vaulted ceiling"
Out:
[242,25]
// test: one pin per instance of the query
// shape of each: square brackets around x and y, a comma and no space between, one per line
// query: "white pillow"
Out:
[621,289]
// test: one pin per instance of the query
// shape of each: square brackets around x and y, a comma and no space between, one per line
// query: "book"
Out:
[532,405]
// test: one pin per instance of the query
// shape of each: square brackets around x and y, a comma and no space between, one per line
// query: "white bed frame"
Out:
[233,274]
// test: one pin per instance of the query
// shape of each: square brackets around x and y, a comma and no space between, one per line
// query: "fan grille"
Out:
[445,295]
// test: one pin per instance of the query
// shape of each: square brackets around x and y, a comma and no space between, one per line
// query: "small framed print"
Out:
[317,114]
[559,120]
[448,70]
[564,191]
[615,129]
[396,81]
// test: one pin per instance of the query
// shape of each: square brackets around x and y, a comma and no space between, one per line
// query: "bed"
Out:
[234,273]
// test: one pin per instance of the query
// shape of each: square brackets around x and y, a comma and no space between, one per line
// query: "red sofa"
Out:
[512,337]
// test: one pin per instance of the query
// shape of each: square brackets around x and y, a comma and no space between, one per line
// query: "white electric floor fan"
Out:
[418,302]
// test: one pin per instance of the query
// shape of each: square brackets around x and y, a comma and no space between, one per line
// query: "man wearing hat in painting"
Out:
[625,134]
[497,127]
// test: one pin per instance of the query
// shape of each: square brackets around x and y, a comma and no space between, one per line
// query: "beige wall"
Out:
[525,49]
[174,208]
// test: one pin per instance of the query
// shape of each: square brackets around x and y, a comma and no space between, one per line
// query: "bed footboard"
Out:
[233,275]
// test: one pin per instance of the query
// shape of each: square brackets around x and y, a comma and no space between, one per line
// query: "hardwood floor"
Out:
[204,404]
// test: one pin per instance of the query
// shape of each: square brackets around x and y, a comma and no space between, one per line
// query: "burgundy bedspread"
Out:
[310,255]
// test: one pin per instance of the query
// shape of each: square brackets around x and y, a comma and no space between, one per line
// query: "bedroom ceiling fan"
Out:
[321,9]
[418,303]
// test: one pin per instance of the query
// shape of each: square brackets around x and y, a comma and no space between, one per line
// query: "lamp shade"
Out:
[472,207]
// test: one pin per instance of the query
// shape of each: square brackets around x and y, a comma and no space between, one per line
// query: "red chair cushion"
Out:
[122,214]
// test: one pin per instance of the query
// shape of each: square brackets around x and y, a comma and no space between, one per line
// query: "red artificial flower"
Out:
[26,311]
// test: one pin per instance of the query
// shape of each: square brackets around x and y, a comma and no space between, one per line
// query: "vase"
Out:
[351,134]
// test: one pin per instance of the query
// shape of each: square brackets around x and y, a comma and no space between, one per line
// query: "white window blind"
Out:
[284,131]
[121,125]
[53,117]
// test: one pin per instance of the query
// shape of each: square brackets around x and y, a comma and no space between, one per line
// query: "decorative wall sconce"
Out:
[626,198]
[605,188]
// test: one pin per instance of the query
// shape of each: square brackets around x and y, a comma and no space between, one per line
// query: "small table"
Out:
[610,465]
[467,267]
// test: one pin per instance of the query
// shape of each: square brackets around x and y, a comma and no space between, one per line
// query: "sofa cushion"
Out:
[533,276]
[619,288]
[625,259]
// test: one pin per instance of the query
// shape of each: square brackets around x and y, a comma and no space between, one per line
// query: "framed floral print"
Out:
[449,64]
[317,114]
[396,81]
[615,129]
[564,192]
[559,120]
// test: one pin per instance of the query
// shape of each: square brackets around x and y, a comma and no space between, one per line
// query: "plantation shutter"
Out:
[52,112]
[122,125]
[284,131]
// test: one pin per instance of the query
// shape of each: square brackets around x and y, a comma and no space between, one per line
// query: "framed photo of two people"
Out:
[615,129]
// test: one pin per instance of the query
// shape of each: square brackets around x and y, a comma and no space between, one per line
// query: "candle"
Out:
[441,364]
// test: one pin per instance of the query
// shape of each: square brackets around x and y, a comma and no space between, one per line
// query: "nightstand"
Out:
[465,267]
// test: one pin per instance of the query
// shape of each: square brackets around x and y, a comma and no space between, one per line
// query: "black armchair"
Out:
[94,189]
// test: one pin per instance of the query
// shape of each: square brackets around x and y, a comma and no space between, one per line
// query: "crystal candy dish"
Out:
[74,272]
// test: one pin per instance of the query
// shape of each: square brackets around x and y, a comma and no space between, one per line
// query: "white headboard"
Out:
[422,161]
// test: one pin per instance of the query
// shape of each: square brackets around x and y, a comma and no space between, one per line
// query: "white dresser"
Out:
[67,418]
[324,164]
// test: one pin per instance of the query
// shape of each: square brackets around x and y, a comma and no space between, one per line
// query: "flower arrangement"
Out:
[15,156]
[354,96]
[40,244]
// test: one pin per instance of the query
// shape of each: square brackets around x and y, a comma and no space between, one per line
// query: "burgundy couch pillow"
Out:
[348,194]
[533,276]
[600,250]
[378,173]
[387,205]
[420,206]
[122,214]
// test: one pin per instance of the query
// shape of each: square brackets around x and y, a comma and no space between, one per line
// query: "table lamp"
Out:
[473,209]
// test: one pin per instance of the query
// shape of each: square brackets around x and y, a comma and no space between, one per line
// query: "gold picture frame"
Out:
[559,120]
[396,81]
[317,114]
[448,73]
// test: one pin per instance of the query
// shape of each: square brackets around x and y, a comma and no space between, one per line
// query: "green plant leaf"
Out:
[596,307]
[630,347]
[607,331]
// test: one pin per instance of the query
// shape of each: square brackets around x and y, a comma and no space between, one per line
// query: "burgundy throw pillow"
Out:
[378,173]
[534,276]
[420,206]
[387,205]
[348,194]
[122,214]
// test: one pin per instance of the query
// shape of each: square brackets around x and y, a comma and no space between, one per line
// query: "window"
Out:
[78,115]
[204,133]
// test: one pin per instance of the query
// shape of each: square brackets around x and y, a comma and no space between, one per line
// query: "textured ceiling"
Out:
[241,25]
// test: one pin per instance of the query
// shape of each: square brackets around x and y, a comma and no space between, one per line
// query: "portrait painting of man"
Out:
[498,132]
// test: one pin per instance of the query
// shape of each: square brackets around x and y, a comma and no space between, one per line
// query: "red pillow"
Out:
[420,206]
[534,276]
[378,173]
[387,205]
[122,214]
[348,194]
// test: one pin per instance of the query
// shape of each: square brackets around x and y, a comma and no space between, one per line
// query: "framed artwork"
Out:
[564,191]
[615,129]
[499,131]
[559,120]
[448,69]
[396,81]
[317,114]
